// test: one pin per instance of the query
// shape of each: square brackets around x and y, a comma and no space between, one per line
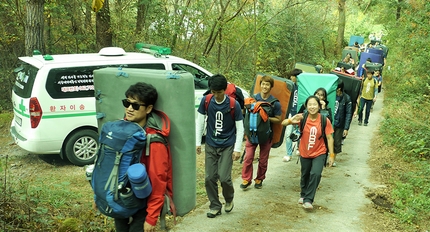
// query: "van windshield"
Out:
[25,76]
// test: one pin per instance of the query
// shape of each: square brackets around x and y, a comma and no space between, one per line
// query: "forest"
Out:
[240,38]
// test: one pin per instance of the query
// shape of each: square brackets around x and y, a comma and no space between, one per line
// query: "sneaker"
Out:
[213,213]
[245,184]
[307,205]
[286,158]
[360,123]
[228,206]
[365,124]
[258,184]
[300,201]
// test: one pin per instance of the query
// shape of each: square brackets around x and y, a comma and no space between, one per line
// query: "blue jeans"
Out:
[368,104]
[288,141]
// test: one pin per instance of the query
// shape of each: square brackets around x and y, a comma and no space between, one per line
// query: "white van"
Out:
[53,98]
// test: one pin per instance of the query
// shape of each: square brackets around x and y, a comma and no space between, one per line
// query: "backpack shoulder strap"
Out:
[207,101]
[232,107]
[272,102]
[232,104]
[323,135]
[323,125]
[303,122]
[150,138]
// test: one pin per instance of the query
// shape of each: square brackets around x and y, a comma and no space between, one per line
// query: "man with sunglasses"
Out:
[139,108]
[223,142]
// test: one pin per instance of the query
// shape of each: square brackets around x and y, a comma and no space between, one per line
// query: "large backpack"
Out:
[257,125]
[236,93]
[121,145]
[323,125]
[232,91]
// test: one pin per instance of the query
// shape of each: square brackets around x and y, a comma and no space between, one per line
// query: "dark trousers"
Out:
[311,176]
[218,165]
[368,104]
[337,137]
[136,225]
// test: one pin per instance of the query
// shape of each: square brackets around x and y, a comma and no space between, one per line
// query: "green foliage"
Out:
[46,202]
[238,41]
[407,106]
[412,194]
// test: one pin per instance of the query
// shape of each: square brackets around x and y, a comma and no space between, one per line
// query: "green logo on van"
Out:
[22,106]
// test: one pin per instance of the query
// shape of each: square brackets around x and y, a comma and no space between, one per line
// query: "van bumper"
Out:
[33,146]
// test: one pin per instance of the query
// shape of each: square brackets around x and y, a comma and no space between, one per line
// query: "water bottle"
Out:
[89,172]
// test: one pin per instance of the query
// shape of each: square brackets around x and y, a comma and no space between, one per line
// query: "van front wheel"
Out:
[81,147]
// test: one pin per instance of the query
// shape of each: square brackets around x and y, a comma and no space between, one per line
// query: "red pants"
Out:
[247,168]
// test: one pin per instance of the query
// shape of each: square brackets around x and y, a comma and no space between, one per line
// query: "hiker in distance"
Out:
[266,85]
[369,92]
[313,148]
[223,142]
[342,117]
[139,108]
[293,111]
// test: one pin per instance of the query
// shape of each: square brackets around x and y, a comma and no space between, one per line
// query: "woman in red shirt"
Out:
[312,149]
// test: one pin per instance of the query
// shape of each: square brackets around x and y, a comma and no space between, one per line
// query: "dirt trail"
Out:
[339,202]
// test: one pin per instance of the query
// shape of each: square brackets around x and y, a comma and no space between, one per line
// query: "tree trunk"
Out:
[340,27]
[398,10]
[142,10]
[34,27]
[103,27]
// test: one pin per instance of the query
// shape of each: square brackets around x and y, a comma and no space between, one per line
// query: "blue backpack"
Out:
[121,145]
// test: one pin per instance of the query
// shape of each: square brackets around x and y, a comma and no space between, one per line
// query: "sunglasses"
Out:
[135,105]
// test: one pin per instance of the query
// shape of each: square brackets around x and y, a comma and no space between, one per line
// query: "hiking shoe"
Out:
[213,213]
[307,205]
[360,123]
[245,184]
[258,184]
[286,158]
[300,201]
[228,206]
[365,124]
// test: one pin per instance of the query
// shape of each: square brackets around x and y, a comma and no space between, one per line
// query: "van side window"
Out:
[200,78]
[78,81]
[71,82]
[158,66]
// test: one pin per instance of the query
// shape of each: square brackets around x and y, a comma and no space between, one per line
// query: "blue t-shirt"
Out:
[220,127]
[276,107]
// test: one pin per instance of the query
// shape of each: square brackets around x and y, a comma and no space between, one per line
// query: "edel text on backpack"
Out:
[121,145]
[257,124]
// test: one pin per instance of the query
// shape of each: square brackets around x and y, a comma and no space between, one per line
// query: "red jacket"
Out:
[158,165]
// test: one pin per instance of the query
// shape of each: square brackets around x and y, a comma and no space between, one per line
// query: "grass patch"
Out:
[405,131]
